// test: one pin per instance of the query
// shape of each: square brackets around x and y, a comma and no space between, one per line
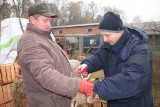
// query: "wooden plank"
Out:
[2,105]
[12,104]
[8,72]
[4,75]
[8,104]
[1,96]
[103,103]
[13,73]
[11,86]
[9,92]
[5,93]
[17,69]
[0,75]
[96,104]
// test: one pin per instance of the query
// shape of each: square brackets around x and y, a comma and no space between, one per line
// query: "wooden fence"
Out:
[7,77]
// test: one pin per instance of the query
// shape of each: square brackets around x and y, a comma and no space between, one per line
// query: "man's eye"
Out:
[46,20]
[106,35]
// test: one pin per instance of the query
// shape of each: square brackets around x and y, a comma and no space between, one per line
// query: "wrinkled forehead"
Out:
[112,34]
[109,33]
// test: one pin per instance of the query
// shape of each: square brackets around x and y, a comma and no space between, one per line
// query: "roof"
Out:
[149,27]
[80,35]
[78,25]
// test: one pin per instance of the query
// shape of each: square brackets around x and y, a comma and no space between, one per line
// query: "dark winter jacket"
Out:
[46,71]
[127,68]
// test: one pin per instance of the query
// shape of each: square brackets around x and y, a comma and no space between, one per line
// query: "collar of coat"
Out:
[31,27]
[130,38]
[120,43]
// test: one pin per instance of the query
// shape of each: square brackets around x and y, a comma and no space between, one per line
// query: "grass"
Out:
[156,78]
[156,95]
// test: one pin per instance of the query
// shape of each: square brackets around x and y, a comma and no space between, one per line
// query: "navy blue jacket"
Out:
[127,68]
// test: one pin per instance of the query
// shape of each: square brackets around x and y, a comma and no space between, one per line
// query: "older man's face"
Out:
[41,22]
[111,37]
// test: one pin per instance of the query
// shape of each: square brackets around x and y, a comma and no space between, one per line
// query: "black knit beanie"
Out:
[111,22]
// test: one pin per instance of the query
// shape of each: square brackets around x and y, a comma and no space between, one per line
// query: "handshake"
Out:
[85,87]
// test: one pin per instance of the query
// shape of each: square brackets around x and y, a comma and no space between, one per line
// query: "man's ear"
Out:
[31,19]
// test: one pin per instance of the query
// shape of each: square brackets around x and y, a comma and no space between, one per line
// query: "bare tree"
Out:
[63,19]
[98,18]
[85,13]
[137,19]
[18,9]
[113,9]
[68,12]
[86,18]
[60,8]
[5,10]
[25,5]
[93,8]
[74,12]
[155,26]
[37,1]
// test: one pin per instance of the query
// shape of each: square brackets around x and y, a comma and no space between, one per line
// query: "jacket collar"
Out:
[136,37]
[120,43]
[31,27]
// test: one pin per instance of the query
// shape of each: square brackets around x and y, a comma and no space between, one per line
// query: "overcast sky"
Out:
[147,9]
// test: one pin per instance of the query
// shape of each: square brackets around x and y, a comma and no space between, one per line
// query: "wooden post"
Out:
[4,74]
[8,72]
[80,45]
[1,96]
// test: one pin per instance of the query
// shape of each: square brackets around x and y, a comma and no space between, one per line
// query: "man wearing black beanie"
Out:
[111,22]
[126,61]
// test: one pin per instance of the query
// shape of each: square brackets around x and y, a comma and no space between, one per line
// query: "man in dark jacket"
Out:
[127,63]
[45,69]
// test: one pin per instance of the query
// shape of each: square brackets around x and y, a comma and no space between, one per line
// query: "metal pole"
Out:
[80,45]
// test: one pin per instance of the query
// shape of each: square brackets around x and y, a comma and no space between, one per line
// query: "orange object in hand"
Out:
[85,88]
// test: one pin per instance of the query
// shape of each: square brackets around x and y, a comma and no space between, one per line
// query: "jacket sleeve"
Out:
[95,61]
[42,67]
[134,78]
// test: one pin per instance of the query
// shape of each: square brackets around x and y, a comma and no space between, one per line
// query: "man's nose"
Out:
[49,23]
[105,39]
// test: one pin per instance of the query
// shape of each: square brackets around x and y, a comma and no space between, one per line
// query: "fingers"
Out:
[89,89]
[86,87]
[82,69]
[78,70]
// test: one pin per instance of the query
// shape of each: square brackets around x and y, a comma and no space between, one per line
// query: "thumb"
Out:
[84,68]
[78,70]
